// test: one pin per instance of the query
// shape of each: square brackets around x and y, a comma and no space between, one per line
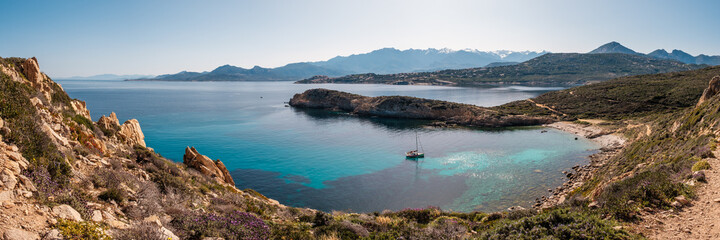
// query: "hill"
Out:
[386,60]
[552,68]
[231,73]
[109,77]
[613,47]
[677,55]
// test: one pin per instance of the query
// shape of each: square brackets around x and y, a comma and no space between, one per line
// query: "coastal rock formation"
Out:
[80,108]
[110,122]
[55,164]
[131,132]
[411,107]
[712,90]
[214,169]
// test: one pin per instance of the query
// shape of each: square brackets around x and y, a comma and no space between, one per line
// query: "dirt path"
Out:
[546,107]
[700,220]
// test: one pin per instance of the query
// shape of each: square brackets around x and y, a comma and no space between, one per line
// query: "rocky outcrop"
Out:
[80,108]
[131,132]
[411,107]
[12,182]
[214,169]
[712,90]
[110,122]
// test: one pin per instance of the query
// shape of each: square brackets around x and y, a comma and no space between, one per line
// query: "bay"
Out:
[333,161]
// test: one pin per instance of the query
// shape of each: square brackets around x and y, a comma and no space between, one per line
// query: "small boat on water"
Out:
[414,154]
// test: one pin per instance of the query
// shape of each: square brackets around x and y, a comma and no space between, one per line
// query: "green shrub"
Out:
[80,230]
[556,224]
[20,116]
[419,215]
[700,165]
[80,120]
[255,193]
[113,194]
[650,188]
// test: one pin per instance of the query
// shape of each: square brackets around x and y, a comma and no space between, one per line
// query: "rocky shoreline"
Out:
[610,145]
[414,108]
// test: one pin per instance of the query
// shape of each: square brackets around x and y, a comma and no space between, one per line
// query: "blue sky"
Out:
[155,37]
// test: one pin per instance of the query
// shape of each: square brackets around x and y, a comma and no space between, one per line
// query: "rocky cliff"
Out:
[415,108]
[63,174]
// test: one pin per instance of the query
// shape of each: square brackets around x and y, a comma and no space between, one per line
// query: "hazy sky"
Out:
[156,37]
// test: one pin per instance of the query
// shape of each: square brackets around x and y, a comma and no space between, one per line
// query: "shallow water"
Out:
[332,161]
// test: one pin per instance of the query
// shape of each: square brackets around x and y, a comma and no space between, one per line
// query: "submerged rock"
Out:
[214,169]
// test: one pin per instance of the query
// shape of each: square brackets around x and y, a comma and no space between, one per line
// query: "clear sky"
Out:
[155,37]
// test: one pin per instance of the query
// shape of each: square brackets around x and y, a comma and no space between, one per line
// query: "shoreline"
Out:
[610,145]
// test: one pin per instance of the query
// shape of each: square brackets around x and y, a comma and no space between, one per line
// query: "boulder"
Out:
[53,235]
[682,200]
[167,234]
[67,212]
[712,90]
[19,234]
[110,122]
[97,216]
[205,165]
[131,132]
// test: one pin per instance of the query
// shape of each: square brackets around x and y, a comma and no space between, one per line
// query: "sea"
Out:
[335,161]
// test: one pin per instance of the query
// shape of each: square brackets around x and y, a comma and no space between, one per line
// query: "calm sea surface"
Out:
[332,161]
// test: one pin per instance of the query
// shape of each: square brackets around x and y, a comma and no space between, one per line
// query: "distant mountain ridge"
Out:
[677,55]
[548,69]
[108,77]
[383,61]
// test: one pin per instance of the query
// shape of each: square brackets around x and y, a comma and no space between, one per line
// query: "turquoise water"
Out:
[333,161]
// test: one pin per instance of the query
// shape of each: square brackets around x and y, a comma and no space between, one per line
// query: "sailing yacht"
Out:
[415,153]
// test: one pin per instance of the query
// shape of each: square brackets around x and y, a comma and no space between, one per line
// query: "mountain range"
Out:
[382,61]
[393,61]
[548,69]
[108,77]
[677,55]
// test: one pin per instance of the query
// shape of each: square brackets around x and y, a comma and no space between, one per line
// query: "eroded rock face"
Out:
[712,90]
[214,169]
[110,122]
[31,69]
[131,132]
[411,107]
[80,108]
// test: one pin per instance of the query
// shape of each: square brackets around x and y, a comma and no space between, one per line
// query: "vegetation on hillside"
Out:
[552,68]
[630,97]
